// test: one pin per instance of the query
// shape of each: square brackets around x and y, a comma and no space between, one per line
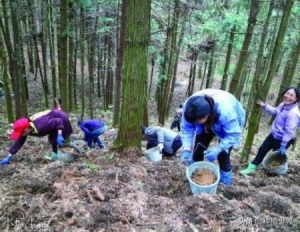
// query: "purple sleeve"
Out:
[17,145]
[272,110]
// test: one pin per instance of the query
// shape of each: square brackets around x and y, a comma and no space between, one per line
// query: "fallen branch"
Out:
[98,193]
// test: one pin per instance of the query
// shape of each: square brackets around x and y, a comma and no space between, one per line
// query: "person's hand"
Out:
[261,103]
[59,139]
[282,150]
[6,160]
[186,157]
[161,147]
[211,154]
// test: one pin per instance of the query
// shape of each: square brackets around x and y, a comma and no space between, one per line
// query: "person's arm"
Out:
[17,145]
[233,133]
[290,128]
[84,127]
[13,150]
[272,110]
[187,133]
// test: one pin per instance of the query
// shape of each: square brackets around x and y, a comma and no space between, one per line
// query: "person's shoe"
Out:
[52,156]
[249,170]
[226,177]
[104,149]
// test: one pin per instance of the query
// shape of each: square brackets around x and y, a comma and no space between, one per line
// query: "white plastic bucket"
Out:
[280,169]
[153,154]
[196,188]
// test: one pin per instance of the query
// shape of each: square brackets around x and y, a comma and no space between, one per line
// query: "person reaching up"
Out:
[284,127]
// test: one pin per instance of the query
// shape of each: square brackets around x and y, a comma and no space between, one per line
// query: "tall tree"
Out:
[236,78]
[163,93]
[264,87]
[63,53]
[119,70]
[137,36]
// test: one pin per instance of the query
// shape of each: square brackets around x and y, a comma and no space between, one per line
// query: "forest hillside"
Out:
[113,191]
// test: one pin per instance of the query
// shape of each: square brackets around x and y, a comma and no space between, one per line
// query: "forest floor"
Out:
[110,191]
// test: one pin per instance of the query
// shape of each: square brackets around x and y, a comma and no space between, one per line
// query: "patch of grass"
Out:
[140,184]
[93,167]
[108,156]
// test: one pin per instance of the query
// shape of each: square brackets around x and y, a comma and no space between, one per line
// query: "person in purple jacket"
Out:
[54,123]
[284,127]
[92,129]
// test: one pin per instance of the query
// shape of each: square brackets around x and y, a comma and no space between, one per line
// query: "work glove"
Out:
[282,150]
[161,147]
[6,160]
[186,157]
[211,154]
[59,139]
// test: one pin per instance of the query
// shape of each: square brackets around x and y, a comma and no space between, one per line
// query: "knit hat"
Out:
[19,126]
[196,107]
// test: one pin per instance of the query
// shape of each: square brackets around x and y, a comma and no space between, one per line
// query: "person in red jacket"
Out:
[54,123]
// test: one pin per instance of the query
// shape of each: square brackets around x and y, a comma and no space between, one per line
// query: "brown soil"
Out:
[118,191]
[276,162]
[203,177]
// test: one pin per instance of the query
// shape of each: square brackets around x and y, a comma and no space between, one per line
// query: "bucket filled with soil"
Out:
[203,177]
[275,163]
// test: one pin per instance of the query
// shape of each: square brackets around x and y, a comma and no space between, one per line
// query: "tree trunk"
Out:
[137,36]
[119,69]
[228,59]
[236,78]
[63,54]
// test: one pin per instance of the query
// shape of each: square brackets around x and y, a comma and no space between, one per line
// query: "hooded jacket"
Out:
[230,120]
[156,135]
[286,122]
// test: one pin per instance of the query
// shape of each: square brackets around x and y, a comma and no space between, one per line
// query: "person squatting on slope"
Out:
[167,140]
[177,118]
[54,123]
[92,129]
[206,114]
[284,127]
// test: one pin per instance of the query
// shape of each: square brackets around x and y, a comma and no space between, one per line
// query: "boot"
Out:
[52,156]
[226,177]
[249,170]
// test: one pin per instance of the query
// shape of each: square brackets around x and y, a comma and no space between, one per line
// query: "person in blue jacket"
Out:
[92,129]
[206,114]
[167,140]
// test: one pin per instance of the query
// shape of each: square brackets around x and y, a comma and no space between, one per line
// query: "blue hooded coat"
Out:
[229,123]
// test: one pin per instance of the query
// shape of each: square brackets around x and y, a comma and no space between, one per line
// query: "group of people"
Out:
[206,114]
[56,124]
[211,113]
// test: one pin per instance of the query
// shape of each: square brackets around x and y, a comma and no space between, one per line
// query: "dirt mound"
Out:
[129,193]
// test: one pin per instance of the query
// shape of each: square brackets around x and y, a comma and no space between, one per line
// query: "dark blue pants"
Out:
[269,144]
[177,143]
[202,142]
